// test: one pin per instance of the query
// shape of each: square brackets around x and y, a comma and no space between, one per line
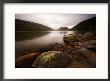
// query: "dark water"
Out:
[32,40]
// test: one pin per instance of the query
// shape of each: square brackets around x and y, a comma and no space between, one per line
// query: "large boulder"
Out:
[71,38]
[52,59]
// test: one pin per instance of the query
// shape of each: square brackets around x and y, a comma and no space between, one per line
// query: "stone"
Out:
[91,45]
[52,59]
[89,36]
[70,38]
[87,55]
[26,60]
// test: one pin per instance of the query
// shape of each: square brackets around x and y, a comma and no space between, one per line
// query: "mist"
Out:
[55,21]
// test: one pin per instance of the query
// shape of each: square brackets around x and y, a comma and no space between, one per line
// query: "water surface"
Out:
[32,40]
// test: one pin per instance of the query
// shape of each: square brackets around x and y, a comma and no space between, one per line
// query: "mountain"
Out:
[63,29]
[86,25]
[22,25]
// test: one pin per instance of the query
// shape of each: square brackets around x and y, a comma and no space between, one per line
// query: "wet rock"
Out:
[44,48]
[52,59]
[58,45]
[26,60]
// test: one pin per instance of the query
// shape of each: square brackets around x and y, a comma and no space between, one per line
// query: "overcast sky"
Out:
[55,21]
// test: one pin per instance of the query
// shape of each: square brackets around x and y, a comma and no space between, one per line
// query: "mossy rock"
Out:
[51,59]
[70,38]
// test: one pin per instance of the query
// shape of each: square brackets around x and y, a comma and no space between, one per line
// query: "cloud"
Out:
[55,21]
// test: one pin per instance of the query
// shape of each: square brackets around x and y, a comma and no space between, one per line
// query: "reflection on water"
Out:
[31,40]
[20,36]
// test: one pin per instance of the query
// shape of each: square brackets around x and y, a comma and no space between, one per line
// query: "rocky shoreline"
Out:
[79,51]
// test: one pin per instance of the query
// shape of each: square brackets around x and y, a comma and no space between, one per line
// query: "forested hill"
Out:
[86,25]
[22,25]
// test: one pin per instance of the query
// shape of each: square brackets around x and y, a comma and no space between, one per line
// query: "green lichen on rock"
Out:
[70,38]
[52,59]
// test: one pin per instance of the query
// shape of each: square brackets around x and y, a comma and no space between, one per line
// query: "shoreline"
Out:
[82,53]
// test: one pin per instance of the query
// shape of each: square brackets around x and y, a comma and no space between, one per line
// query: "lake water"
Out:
[32,40]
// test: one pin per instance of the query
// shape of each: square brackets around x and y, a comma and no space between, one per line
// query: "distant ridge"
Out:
[22,25]
[63,29]
[86,25]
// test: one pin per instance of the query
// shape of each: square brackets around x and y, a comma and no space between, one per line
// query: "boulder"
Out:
[89,36]
[78,45]
[52,59]
[70,38]
[26,60]
[87,55]
[91,45]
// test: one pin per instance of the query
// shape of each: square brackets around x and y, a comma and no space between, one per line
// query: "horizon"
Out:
[55,21]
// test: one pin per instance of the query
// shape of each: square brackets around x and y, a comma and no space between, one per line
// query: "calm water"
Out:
[32,40]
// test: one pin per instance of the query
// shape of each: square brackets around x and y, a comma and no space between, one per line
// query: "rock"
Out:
[81,58]
[52,59]
[89,36]
[78,45]
[58,45]
[91,45]
[78,64]
[26,60]
[87,55]
[44,48]
[70,38]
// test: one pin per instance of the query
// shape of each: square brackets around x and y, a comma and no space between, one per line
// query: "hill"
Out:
[63,29]
[86,25]
[22,25]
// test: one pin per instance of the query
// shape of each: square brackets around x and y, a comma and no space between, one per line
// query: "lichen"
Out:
[51,59]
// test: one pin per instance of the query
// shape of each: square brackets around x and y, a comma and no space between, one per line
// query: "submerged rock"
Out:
[52,59]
